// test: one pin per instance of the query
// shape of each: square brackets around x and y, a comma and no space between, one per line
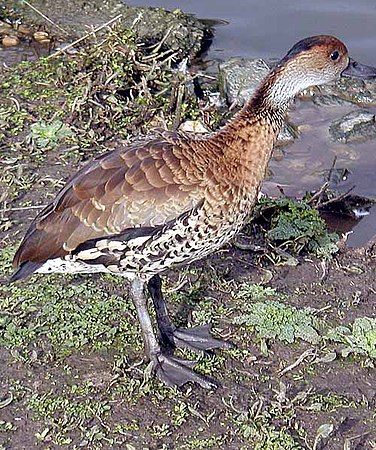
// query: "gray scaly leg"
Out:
[172,371]
[197,338]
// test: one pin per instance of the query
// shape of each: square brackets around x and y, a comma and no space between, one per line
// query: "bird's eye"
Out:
[334,56]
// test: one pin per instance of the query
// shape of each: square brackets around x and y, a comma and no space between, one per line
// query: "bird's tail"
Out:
[25,270]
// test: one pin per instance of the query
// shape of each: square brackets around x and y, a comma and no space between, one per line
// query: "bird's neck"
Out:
[250,136]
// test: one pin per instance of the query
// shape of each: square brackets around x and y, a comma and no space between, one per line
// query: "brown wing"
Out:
[145,184]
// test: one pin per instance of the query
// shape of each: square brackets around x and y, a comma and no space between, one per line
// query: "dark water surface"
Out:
[268,29]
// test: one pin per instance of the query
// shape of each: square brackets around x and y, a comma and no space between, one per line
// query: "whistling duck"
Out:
[173,198]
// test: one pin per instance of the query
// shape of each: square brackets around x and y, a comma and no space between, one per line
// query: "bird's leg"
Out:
[165,326]
[139,299]
[172,371]
[197,338]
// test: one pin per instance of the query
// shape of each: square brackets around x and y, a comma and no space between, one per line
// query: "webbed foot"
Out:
[198,339]
[176,372]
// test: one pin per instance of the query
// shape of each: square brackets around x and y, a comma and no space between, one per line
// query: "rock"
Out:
[357,126]
[239,78]
[42,37]
[354,90]
[194,126]
[288,134]
[345,90]
[10,41]
[23,29]
[182,33]
[5,27]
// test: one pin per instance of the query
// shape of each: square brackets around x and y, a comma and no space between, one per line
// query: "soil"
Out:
[343,291]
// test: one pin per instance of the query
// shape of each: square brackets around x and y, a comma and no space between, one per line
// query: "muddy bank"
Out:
[76,378]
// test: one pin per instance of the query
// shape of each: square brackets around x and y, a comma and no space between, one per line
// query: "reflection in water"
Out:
[360,231]
[364,230]
[12,56]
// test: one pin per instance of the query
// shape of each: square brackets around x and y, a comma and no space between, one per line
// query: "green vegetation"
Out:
[329,402]
[66,413]
[211,442]
[359,338]
[108,88]
[43,134]
[275,320]
[64,318]
[70,317]
[48,326]
[68,106]
[275,439]
[272,319]
[294,228]
[256,423]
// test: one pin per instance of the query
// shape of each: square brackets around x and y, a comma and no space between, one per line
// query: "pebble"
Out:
[10,41]
[5,27]
[42,37]
[194,126]
[23,29]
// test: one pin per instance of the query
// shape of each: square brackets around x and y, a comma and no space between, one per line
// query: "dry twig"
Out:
[302,357]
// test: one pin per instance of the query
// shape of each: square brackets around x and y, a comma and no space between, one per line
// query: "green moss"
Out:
[214,441]
[67,317]
[60,414]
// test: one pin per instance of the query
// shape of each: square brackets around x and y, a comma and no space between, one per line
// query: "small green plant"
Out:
[214,441]
[329,401]
[359,338]
[257,292]
[296,227]
[274,439]
[262,425]
[45,134]
[273,319]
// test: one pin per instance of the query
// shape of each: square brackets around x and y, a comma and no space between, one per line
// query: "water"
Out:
[268,29]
